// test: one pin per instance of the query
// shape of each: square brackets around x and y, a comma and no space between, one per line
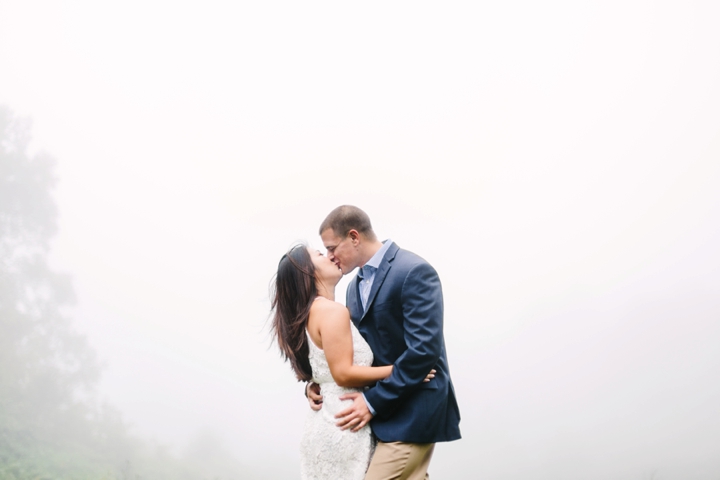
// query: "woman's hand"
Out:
[429,376]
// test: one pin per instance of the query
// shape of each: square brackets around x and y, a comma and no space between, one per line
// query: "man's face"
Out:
[341,250]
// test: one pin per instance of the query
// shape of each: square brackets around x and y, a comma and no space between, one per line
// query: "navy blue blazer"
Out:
[404,327]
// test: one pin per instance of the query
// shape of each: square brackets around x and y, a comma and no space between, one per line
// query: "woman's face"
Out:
[325,270]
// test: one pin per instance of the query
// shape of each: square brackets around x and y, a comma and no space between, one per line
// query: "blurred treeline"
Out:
[52,426]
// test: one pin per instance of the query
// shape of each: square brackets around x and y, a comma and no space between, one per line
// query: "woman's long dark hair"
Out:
[294,293]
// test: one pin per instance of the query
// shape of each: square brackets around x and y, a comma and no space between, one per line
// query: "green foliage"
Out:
[50,427]
[45,367]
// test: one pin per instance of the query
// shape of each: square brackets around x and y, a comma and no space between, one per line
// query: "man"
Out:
[396,303]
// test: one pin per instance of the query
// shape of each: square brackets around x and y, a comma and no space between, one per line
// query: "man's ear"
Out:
[354,236]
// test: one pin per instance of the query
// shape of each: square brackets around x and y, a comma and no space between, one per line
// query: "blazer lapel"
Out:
[380,275]
[354,302]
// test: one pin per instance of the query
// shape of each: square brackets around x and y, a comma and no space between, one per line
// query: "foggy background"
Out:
[557,162]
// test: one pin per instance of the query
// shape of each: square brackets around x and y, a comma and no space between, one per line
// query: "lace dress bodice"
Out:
[328,453]
[362,355]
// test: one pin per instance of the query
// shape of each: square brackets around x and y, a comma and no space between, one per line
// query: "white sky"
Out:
[557,162]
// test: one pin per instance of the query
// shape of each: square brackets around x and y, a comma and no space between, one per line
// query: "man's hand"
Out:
[312,392]
[356,415]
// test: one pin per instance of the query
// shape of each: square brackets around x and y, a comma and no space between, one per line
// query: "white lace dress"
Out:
[326,452]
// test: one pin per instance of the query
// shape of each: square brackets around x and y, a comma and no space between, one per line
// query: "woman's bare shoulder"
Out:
[329,309]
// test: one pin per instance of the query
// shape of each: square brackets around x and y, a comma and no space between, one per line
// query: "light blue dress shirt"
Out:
[366,273]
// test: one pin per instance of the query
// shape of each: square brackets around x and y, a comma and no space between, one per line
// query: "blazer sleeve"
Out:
[422,317]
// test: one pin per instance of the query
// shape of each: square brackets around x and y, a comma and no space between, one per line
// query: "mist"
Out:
[557,163]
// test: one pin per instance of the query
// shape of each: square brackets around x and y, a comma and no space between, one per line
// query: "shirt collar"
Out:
[375,260]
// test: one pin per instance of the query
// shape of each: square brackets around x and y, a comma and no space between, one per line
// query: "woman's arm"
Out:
[336,337]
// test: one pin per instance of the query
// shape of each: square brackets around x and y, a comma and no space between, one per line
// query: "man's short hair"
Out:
[345,218]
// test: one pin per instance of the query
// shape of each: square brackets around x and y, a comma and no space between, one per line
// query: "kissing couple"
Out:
[379,386]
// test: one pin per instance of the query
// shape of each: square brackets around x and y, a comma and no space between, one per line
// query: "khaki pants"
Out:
[400,461]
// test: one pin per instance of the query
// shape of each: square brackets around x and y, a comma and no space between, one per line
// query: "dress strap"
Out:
[311,341]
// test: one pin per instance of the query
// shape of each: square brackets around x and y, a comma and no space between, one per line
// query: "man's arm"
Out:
[422,310]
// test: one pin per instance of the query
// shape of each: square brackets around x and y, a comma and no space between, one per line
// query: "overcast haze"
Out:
[557,162]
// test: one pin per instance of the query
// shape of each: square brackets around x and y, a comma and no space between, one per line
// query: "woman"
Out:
[316,336]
